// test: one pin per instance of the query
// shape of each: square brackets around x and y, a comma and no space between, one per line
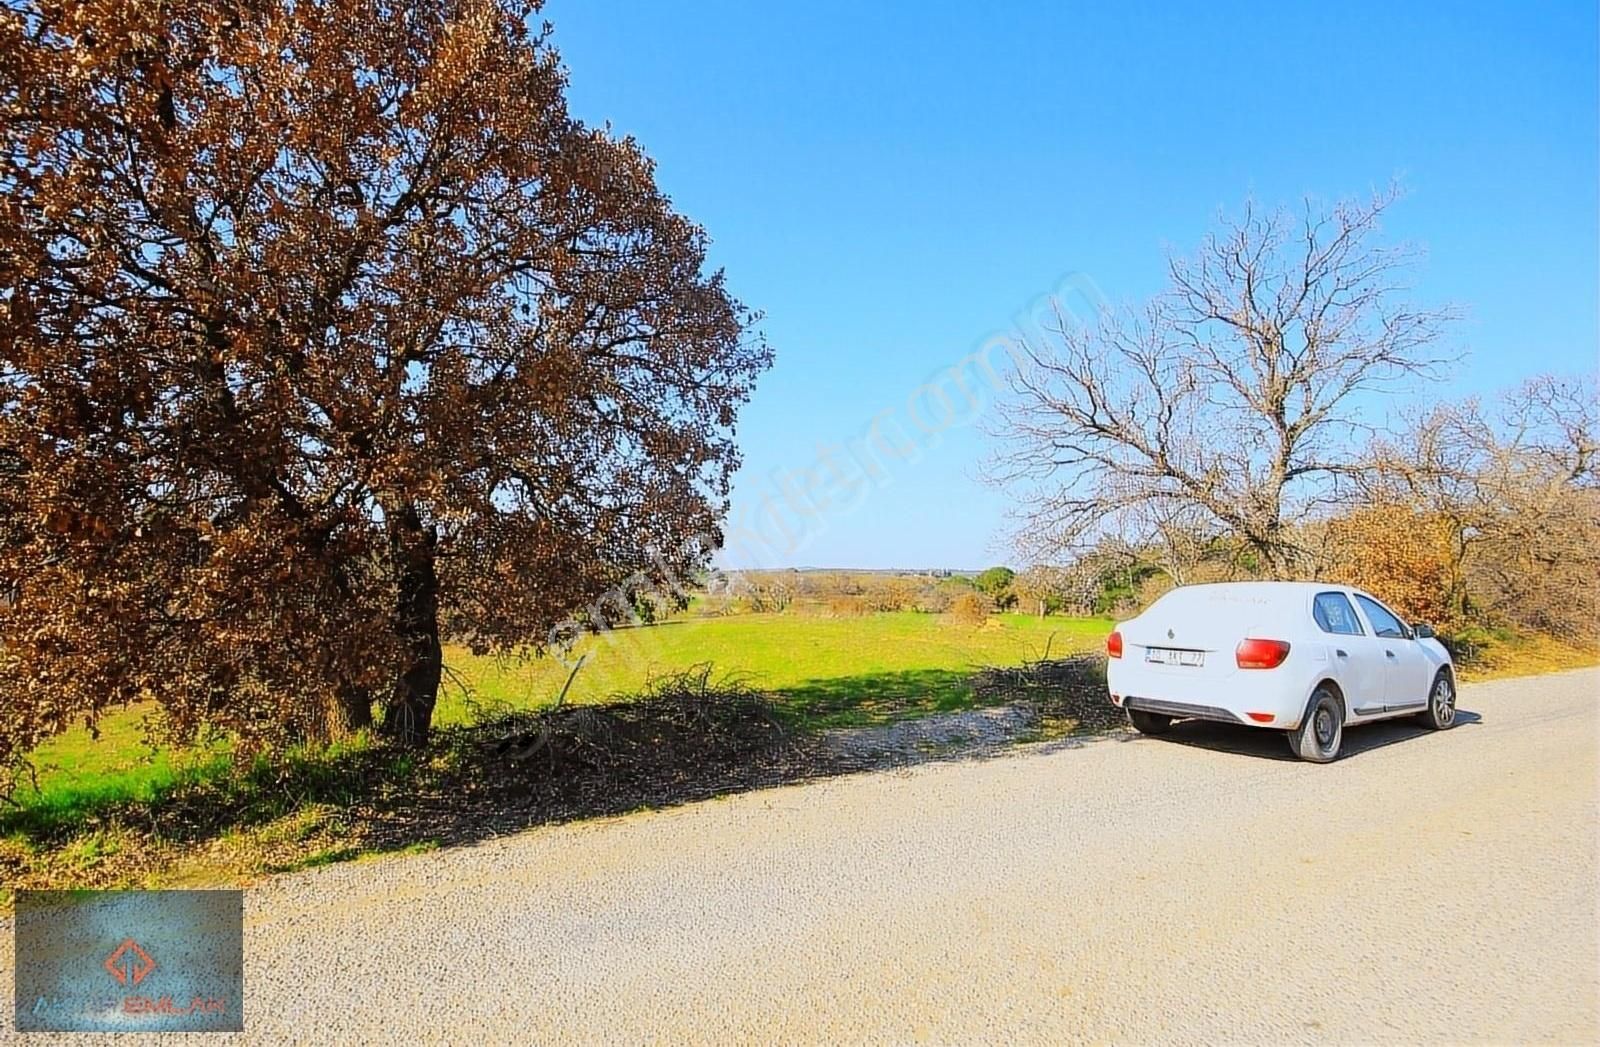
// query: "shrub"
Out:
[971,609]
[996,584]
[938,598]
[893,594]
[1536,566]
[1399,555]
[846,606]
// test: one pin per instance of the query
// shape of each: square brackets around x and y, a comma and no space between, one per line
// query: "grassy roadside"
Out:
[824,672]
[115,811]
[1504,656]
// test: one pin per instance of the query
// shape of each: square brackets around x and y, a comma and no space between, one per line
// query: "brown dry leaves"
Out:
[279,275]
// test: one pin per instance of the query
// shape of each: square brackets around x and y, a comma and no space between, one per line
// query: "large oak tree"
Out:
[327,333]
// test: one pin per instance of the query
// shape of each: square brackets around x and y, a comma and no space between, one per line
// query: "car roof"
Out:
[1273,588]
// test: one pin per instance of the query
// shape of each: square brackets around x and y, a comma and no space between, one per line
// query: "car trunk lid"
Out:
[1196,629]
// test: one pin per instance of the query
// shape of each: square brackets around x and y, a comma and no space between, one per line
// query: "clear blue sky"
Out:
[890,183]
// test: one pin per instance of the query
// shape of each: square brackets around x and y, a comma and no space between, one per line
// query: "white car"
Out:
[1300,657]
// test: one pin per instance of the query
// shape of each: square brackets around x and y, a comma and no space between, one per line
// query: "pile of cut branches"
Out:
[684,723]
[1071,688]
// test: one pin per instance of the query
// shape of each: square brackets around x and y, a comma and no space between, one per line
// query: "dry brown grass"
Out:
[1527,656]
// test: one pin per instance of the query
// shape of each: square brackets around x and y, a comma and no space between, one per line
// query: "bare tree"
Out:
[1518,487]
[1180,539]
[1230,400]
[1040,584]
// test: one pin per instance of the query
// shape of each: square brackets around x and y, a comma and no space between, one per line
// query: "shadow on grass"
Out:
[206,799]
[689,737]
[875,698]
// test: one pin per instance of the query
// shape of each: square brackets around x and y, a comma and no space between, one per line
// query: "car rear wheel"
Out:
[1321,730]
[1149,723]
[1440,714]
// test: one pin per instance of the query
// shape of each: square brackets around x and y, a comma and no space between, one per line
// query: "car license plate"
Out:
[1170,656]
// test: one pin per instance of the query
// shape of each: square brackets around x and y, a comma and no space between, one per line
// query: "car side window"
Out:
[1383,623]
[1335,615]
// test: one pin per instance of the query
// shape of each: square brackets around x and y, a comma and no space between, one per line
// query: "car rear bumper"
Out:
[1272,698]
[1184,710]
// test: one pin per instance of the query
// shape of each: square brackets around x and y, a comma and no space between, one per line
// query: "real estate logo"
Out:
[129,964]
[86,961]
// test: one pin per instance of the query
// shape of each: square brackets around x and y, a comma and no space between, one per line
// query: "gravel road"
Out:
[1427,887]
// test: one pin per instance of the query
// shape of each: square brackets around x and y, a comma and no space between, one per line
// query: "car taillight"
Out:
[1114,644]
[1260,654]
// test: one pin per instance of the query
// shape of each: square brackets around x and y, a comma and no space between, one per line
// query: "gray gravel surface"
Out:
[1427,887]
[940,734]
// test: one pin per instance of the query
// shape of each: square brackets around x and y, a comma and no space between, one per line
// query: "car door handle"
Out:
[1341,654]
[1388,654]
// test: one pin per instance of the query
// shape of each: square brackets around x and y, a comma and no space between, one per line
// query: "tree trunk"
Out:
[352,711]
[409,713]
[1273,553]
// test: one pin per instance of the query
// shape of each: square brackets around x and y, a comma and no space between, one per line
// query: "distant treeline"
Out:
[845,593]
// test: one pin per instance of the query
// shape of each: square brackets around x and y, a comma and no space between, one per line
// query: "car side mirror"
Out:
[1422,631]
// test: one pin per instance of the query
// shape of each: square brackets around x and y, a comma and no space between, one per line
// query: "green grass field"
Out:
[827,671]
[824,672]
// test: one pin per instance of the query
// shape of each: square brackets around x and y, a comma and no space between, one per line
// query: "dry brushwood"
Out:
[681,721]
[1063,688]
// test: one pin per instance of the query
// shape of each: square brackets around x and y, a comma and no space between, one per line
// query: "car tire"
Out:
[1440,715]
[1321,731]
[1149,723]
